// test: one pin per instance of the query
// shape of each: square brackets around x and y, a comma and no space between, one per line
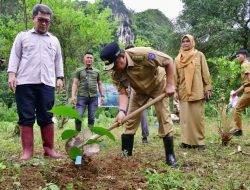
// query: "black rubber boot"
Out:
[238,133]
[78,125]
[127,144]
[144,140]
[169,150]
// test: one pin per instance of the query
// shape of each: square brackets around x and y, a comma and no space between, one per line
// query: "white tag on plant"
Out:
[239,148]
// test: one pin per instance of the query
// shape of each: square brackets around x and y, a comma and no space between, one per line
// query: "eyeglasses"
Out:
[43,20]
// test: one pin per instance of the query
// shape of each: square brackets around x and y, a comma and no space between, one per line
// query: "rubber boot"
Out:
[127,144]
[48,141]
[78,125]
[27,137]
[169,150]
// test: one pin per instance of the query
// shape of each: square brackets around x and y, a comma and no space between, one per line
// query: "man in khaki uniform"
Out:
[244,100]
[149,73]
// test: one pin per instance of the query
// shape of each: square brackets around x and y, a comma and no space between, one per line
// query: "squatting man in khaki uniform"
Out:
[244,100]
[149,73]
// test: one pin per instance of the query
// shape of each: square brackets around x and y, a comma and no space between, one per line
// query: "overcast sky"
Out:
[171,8]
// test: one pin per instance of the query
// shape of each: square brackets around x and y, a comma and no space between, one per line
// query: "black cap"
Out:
[109,54]
[243,51]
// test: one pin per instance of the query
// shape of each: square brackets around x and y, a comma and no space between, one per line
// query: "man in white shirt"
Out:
[35,68]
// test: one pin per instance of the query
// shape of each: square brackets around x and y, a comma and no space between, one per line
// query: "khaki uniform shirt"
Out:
[145,70]
[87,81]
[246,69]
[201,80]
[36,58]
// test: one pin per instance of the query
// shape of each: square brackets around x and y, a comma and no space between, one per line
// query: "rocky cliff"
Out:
[124,32]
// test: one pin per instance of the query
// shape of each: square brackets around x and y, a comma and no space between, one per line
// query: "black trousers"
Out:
[34,101]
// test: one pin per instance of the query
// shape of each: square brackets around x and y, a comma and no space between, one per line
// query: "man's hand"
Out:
[170,90]
[176,97]
[234,94]
[102,100]
[208,94]
[59,85]
[12,81]
[73,100]
[120,116]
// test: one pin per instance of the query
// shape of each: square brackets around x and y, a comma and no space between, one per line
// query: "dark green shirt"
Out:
[87,81]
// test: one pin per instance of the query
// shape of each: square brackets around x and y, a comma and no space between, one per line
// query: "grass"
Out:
[213,169]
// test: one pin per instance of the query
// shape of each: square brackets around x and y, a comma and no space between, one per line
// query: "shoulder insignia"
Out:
[151,56]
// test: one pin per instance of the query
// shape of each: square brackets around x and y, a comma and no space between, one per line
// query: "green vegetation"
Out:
[220,28]
[148,22]
[214,168]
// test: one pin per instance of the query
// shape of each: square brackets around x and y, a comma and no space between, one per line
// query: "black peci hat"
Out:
[243,51]
[109,54]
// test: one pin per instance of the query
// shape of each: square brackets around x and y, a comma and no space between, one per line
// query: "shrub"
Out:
[8,114]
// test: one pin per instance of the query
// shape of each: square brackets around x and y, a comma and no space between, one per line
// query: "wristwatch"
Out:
[122,110]
[59,78]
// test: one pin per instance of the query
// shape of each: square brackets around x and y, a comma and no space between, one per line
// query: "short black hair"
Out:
[243,51]
[88,52]
[43,9]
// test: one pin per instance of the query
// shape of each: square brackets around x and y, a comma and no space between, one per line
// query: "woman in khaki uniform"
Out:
[193,84]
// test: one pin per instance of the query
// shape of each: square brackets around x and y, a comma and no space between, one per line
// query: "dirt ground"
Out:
[105,172]
[214,168]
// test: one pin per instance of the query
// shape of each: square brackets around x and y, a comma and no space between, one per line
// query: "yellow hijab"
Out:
[185,60]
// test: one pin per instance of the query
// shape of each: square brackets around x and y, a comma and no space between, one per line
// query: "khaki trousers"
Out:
[243,102]
[162,111]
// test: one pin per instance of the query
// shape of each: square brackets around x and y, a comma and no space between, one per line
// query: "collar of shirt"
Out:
[88,68]
[129,60]
[45,34]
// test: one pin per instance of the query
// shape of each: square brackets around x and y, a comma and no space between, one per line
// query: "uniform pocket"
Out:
[52,51]
[28,49]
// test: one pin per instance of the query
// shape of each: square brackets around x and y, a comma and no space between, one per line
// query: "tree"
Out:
[78,26]
[219,26]
[153,26]
[78,30]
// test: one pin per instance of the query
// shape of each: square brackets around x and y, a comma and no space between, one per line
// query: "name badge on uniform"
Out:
[138,57]
[151,56]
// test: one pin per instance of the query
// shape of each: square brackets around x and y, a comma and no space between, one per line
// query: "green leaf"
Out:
[2,166]
[66,111]
[69,133]
[54,187]
[74,152]
[103,131]
[92,141]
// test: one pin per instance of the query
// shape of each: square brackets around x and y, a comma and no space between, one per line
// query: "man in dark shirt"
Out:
[85,83]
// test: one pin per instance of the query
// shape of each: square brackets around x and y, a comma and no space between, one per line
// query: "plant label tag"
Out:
[78,160]
[239,148]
